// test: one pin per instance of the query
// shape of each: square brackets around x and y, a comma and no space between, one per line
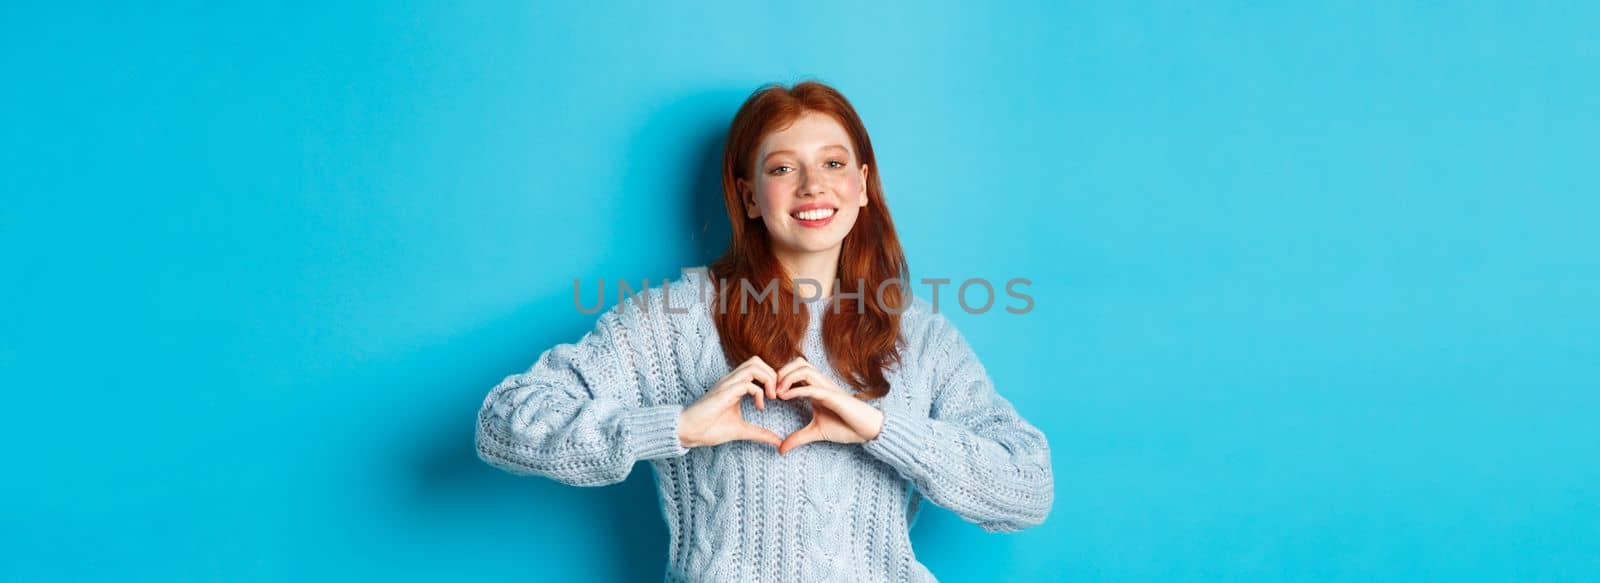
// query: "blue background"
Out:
[1316,286]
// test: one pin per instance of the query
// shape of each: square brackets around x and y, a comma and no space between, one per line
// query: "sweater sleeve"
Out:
[973,455]
[577,415]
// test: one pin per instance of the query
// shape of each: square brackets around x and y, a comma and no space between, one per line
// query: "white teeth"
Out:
[814,214]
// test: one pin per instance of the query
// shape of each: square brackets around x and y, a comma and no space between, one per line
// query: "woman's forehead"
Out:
[810,132]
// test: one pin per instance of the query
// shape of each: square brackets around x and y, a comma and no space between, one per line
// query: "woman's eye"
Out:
[777,169]
[832,162]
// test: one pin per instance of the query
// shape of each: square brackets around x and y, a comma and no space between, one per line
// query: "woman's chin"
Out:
[810,245]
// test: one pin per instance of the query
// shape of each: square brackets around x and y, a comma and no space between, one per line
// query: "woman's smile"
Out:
[813,215]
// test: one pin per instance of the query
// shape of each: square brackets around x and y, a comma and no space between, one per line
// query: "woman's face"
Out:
[807,186]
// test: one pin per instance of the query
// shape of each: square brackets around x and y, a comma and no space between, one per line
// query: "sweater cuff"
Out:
[653,431]
[901,438]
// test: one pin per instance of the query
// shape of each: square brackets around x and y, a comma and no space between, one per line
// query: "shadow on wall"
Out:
[457,495]
[708,214]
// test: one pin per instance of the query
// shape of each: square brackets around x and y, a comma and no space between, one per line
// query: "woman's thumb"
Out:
[758,433]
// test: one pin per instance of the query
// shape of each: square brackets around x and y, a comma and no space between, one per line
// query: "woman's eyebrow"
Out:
[791,153]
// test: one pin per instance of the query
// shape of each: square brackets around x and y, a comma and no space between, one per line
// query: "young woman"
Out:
[795,401]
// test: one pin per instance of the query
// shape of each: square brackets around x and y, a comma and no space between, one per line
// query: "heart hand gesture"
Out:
[836,415]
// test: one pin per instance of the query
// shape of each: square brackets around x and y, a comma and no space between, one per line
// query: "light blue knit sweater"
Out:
[584,413]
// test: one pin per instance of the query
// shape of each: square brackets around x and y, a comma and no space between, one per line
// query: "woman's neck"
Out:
[820,267]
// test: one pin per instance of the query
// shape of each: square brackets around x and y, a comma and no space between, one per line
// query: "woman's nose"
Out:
[810,183]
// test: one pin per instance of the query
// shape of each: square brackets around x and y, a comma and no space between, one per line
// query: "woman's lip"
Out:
[817,223]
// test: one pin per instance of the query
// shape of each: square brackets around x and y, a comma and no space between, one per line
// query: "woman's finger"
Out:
[769,378]
[798,362]
[754,432]
[808,434]
[749,370]
[817,394]
[756,369]
[732,392]
[755,391]
[752,361]
[787,382]
[814,380]
[795,372]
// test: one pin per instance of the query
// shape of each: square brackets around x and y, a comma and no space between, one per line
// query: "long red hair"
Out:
[859,345]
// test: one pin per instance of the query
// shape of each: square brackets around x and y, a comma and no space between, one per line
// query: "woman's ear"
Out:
[748,197]
[864,196]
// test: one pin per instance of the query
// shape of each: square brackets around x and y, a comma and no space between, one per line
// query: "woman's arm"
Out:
[973,455]
[577,415]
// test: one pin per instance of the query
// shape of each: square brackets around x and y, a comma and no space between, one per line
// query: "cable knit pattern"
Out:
[586,412]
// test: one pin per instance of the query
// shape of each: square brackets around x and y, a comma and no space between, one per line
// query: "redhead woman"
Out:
[794,400]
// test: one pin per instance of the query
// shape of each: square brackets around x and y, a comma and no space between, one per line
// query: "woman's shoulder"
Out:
[925,329]
[664,306]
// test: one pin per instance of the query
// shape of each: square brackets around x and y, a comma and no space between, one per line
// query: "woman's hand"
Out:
[715,418]
[836,415]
